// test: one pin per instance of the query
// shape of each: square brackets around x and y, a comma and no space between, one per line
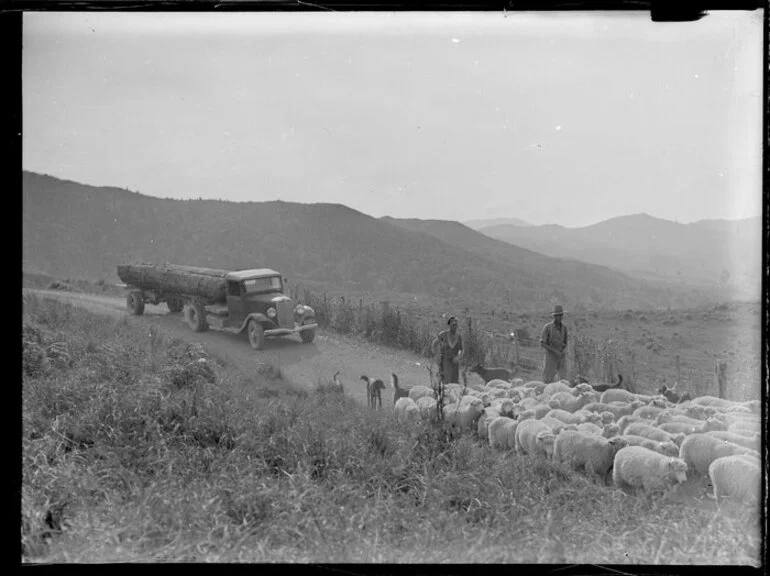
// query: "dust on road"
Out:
[302,364]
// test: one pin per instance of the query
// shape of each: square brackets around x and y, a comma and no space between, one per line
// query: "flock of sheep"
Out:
[637,441]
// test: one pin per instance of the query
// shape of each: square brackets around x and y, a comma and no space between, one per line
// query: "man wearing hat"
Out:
[554,340]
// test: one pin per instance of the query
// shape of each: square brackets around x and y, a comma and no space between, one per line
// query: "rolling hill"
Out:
[478,224]
[709,252]
[79,231]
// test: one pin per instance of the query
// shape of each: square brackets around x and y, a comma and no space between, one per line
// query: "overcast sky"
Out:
[564,118]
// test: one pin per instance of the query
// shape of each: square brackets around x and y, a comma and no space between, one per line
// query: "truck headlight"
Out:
[300,309]
[271,312]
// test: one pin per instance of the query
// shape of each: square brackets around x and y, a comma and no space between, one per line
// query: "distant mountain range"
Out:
[477,224]
[726,252]
[78,231]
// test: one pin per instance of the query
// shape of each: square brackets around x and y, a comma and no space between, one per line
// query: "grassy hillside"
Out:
[73,230]
[714,252]
[140,453]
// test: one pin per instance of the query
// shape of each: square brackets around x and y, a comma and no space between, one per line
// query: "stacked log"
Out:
[205,283]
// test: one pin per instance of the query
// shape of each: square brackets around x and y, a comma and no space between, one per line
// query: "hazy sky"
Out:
[564,118]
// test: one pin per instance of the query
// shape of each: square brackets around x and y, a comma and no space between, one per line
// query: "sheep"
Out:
[712,401]
[626,421]
[732,417]
[517,382]
[469,411]
[736,477]
[700,412]
[677,416]
[591,452]
[417,392]
[398,392]
[567,401]
[554,387]
[427,406]
[494,393]
[619,409]
[687,429]
[482,426]
[555,425]
[641,429]
[563,416]
[497,383]
[498,432]
[606,417]
[639,467]
[374,390]
[406,410]
[532,437]
[617,395]
[536,386]
[611,430]
[647,412]
[488,374]
[752,442]
[590,428]
[504,405]
[745,428]
[665,448]
[700,450]
[540,410]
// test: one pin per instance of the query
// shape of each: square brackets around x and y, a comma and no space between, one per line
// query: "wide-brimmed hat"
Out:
[557,310]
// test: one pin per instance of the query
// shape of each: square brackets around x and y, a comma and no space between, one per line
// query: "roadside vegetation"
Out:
[137,447]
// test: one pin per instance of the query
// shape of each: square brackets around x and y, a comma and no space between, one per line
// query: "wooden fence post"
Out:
[720,378]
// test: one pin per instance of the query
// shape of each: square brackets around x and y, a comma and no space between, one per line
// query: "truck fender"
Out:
[256,316]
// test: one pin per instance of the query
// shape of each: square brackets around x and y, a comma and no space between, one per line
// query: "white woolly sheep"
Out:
[672,416]
[532,438]
[653,433]
[712,401]
[617,395]
[417,392]
[497,383]
[626,421]
[504,405]
[620,409]
[730,418]
[639,467]
[745,428]
[647,412]
[752,442]
[553,388]
[427,406]
[611,430]
[700,412]
[529,403]
[590,428]
[498,432]
[567,401]
[468,413]
[700,450]
[556,425]
[517,382]
[482,426]
[736,477]
[665,448]
[588,451]
[687,429]
[586,416]
[563,415]
[607,417]
[406,409]
[540,410]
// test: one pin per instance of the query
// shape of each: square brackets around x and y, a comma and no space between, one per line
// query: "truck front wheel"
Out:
[196,317]
[135,303]
[256,335]
[307,335]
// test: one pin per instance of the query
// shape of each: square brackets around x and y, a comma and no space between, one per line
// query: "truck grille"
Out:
[285,310]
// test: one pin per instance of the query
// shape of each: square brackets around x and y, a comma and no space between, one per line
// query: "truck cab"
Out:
[256,304]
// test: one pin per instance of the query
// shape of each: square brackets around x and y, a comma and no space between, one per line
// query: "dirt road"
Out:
[302,364]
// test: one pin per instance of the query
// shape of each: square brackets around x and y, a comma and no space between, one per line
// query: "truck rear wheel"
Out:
[307,335]
[196,317]
[175,305]
[256,335]
[135,303]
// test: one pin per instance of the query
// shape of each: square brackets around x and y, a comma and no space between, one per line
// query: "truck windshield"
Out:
[267,284]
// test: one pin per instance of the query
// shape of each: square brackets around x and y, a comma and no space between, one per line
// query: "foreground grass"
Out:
[139,452]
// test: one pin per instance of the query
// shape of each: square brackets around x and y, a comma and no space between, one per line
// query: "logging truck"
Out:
[243,301]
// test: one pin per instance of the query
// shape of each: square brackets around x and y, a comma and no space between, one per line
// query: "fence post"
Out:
[720,378]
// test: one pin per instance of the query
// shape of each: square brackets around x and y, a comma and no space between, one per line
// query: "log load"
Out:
[205,283]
